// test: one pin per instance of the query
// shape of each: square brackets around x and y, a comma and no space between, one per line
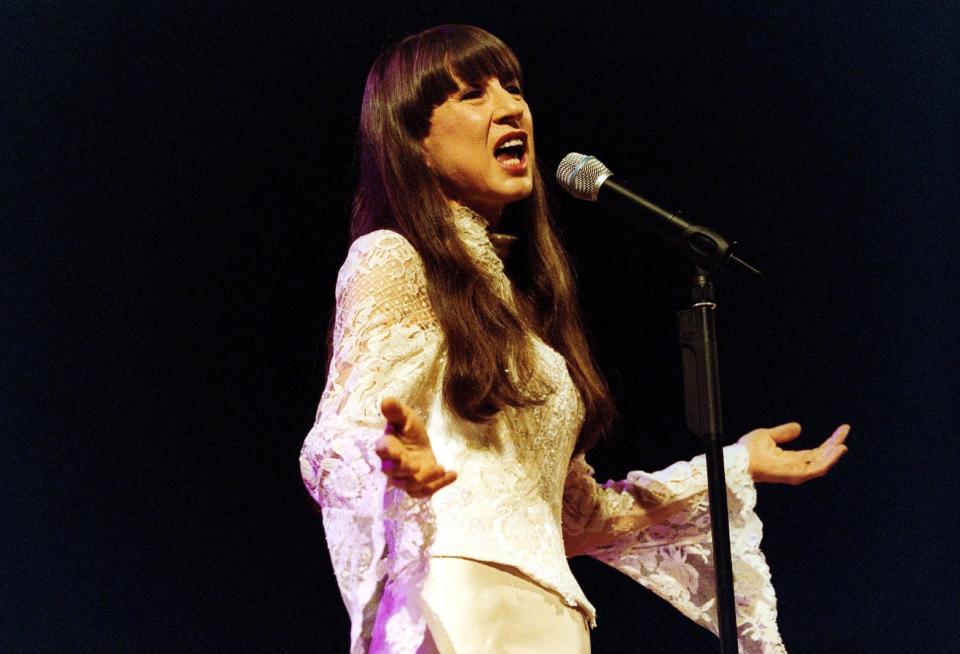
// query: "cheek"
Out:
[450,148]
[466,155]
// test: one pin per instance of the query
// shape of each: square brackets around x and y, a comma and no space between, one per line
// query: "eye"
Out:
[511,86]
[471,93]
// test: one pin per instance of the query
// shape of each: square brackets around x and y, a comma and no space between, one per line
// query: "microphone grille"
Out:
[582,175]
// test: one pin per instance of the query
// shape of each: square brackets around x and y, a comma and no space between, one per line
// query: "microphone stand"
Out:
[586,178]
[708,251]
[701,381]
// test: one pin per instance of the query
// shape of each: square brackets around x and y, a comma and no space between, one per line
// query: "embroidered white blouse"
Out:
[518,493]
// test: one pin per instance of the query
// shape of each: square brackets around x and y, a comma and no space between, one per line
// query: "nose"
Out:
[508,107]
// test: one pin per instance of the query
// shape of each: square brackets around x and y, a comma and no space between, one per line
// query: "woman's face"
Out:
[480,145]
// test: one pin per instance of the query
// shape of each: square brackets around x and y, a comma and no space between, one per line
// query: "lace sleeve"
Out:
[655,528]
[385,342]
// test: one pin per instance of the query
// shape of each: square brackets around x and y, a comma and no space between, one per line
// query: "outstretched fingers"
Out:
[395,461]
[830,451]
[396,413]
[771,463]
[389,448]
[818,461]
[428,484]
[786,432]
[408,466]
[445,479]
[838,436]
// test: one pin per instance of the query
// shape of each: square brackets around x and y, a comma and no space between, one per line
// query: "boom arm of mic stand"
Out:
[707,249]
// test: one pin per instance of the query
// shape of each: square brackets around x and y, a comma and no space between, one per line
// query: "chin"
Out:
[519,190]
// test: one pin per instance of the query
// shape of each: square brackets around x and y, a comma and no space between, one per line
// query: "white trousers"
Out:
[472,607]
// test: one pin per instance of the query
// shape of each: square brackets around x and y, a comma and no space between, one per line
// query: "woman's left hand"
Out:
[768,462]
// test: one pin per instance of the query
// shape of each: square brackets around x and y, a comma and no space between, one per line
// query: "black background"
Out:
[174,192]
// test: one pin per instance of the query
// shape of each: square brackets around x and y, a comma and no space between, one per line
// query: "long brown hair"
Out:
[485,336]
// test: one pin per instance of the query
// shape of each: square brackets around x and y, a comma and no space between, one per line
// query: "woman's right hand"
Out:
[405,452]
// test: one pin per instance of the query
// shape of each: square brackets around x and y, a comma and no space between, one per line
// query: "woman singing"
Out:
[448,450]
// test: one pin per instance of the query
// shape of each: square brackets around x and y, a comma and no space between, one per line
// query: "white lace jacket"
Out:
[518,493]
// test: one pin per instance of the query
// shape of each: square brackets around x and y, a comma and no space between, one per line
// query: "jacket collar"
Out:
[490,249]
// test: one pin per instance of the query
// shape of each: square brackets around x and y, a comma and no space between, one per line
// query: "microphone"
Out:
[586,178]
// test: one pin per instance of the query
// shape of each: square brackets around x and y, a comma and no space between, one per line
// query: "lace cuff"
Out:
[385,342]
[672,554]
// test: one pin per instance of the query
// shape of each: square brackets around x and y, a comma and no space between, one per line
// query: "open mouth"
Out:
[511,153]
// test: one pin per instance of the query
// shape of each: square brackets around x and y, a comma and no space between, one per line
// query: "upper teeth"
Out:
[512,143]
